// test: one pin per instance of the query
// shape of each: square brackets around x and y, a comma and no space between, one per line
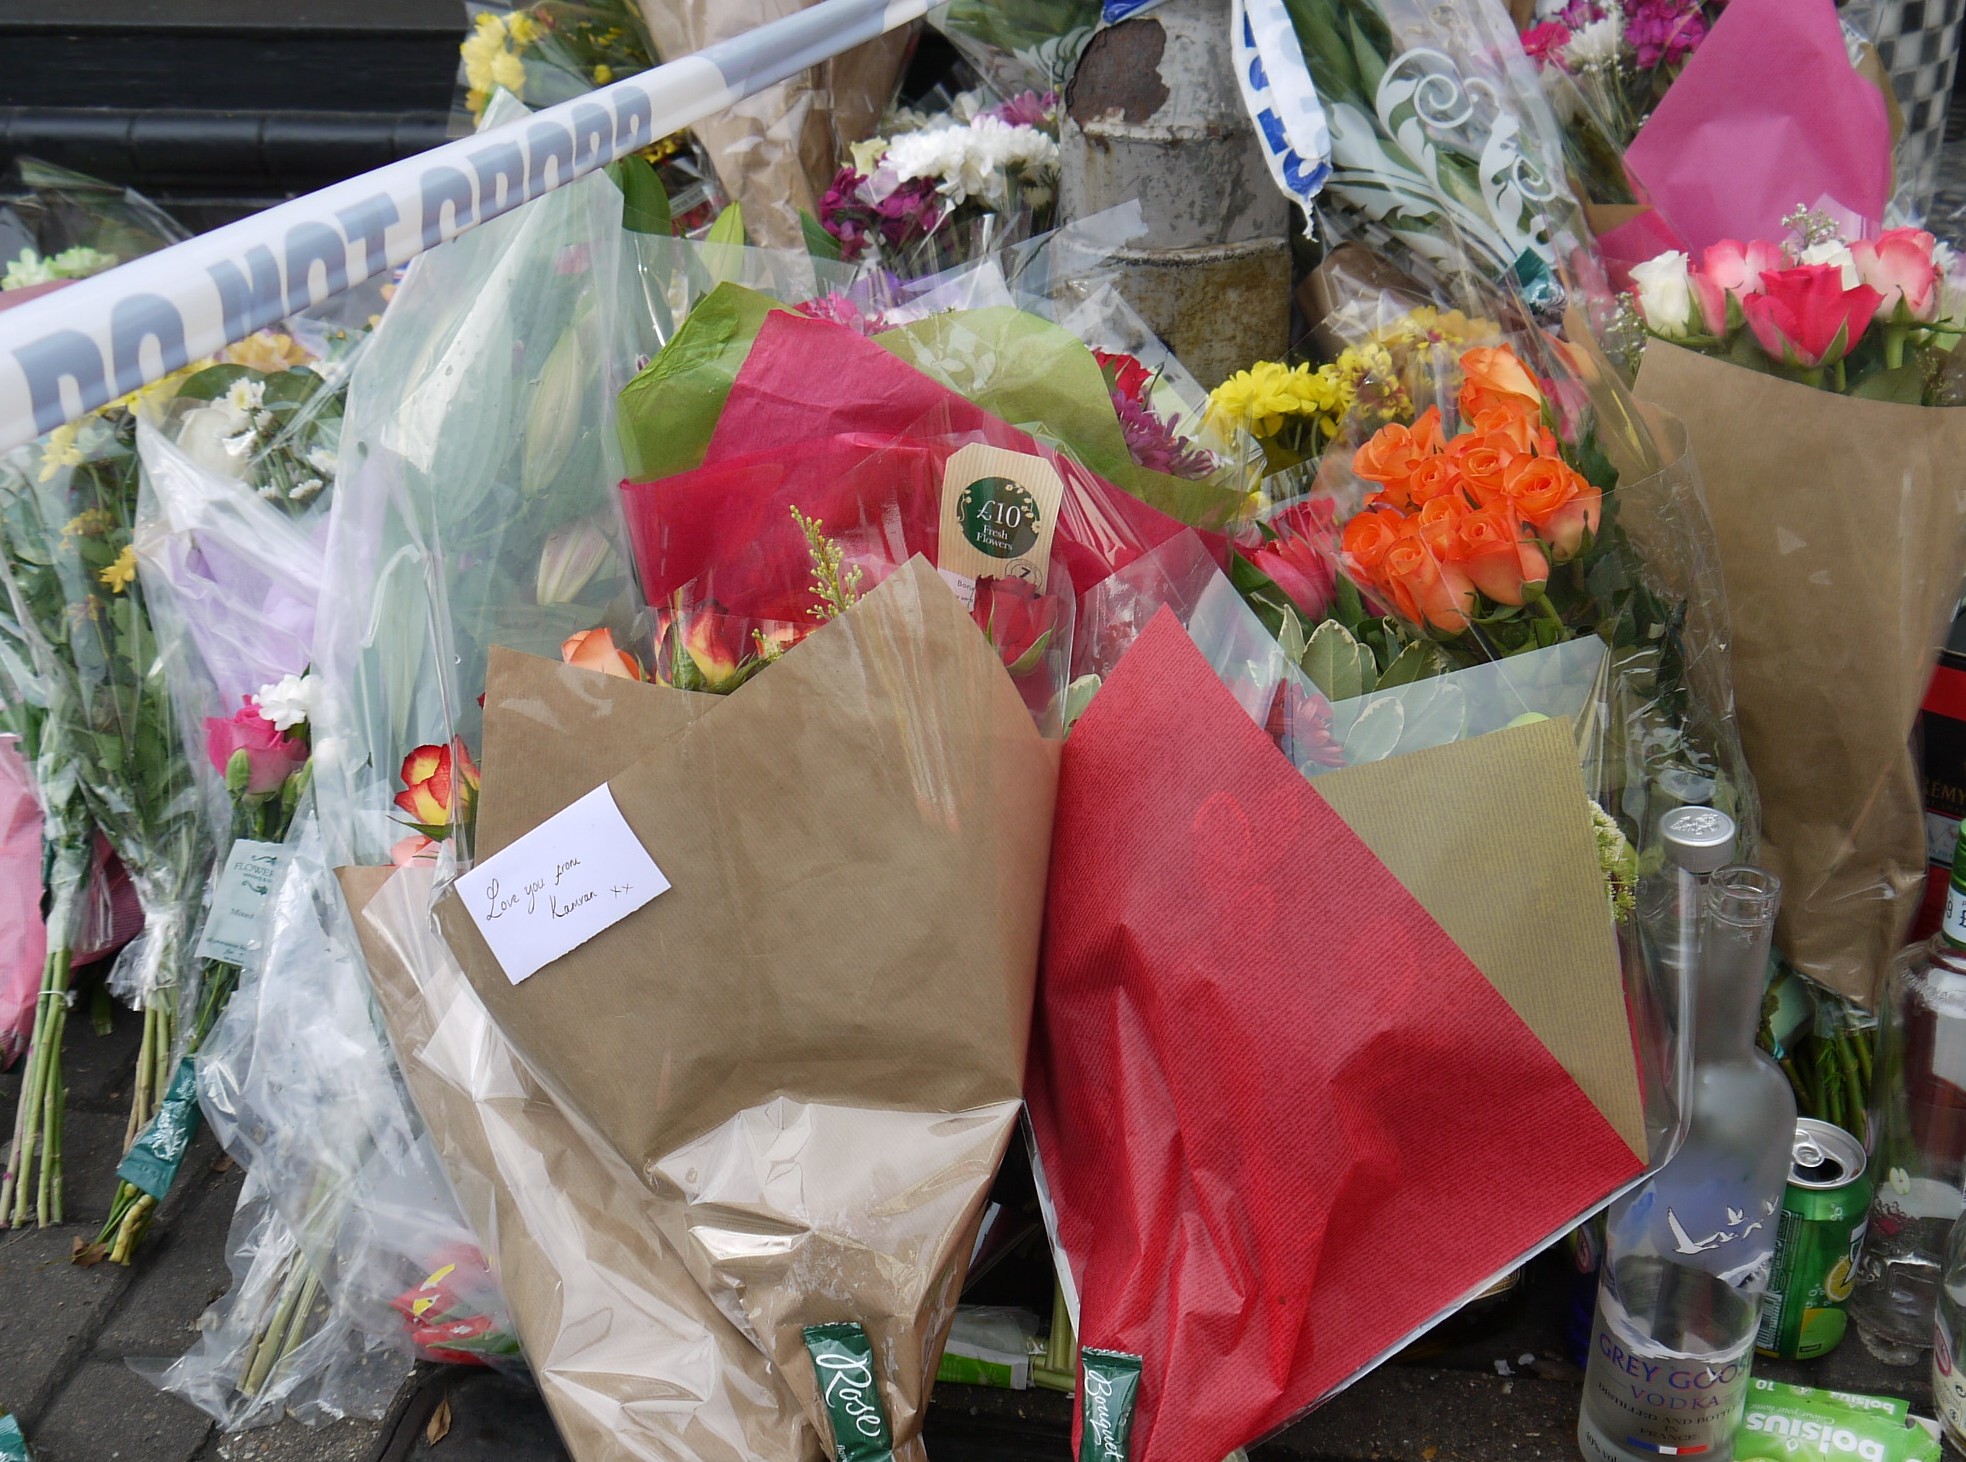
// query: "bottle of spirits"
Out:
[1687,1253]
[1917,1135]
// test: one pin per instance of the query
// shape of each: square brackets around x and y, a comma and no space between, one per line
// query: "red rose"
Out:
[1805,317]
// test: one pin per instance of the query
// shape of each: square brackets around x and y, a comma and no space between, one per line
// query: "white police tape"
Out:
[78,348]
[1281,98]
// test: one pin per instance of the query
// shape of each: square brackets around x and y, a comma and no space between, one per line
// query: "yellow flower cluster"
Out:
[62,449]
[118,576]
[491,55]
[89,523]
[1270,395]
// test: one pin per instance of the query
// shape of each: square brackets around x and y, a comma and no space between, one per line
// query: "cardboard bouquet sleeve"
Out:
[1842,535]
[1314,1060]
[809,1049]
[633,1359]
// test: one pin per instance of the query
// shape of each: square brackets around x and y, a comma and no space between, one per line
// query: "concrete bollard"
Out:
[1153,112]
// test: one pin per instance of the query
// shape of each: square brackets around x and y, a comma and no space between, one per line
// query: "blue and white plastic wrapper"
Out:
[105,337]
[1114,11]
[1282,99]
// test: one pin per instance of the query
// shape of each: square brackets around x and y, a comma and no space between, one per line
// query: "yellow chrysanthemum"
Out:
[508,71]
[90,523]
[62,450]
[118,576]
[603,74]
[522,28]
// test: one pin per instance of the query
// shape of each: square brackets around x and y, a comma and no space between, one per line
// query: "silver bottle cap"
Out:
[1698,839]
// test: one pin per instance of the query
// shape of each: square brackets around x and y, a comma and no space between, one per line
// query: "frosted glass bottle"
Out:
[1687,1253]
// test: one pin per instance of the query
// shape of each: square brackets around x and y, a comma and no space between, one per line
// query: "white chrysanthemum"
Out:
[971,162]
[305,489]
[322,461]
[246,396]
[1596,43]
[288,702]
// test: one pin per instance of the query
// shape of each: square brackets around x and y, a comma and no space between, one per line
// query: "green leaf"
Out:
[1905,385]
[1371,66]
[819,243]
[214,381]
[1290,635]
[1338,664]
[1376,732]
[1078,696]
[1347,606]
[644,201]
[1418,661]
[1025,663]
[729,227]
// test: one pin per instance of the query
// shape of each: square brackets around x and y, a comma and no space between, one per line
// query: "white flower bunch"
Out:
[974,161]
[288,702]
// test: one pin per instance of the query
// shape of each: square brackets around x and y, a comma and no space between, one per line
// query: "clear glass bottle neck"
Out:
[1731,972]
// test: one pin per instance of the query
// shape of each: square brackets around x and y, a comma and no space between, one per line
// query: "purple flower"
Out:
[844,214]
[1155,444]
[1664,31]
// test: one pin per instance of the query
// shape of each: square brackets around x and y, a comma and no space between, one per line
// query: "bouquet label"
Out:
[1110,1386]
[843,1361]
[549,892]
[239,901]
[999,509]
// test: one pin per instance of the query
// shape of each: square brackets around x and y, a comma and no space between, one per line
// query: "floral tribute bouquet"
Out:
[1810,353]
[938,190]
[1877,318]
[109,735]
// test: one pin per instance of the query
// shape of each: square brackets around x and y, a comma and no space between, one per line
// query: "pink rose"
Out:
[1898,265]
[1805,317]
[1737,267]
[270,755]
[1711,297]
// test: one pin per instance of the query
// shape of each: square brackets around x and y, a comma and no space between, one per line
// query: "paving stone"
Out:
[108,1413]
[291,1441]
[493,1418]
[180,1267]
[50,1310]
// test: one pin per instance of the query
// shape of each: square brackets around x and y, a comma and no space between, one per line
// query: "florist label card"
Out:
[550,891]
[239,901]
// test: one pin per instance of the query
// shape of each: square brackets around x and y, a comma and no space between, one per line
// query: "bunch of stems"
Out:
[32,1185]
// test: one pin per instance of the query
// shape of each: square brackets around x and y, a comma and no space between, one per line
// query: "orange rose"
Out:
[1435,477]
[1516,429]
[1499,553]
[1539,486]
[1492,375]
[594,649]
[1365,541]
[1390,456]
[1482,467]
[1423,588]
[1565,528]
[1439,523]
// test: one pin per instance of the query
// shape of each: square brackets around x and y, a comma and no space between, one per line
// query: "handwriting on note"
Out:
[554,889]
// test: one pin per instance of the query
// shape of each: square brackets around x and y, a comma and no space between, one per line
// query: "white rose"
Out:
[1833,251]
[1664,297]
[203,434]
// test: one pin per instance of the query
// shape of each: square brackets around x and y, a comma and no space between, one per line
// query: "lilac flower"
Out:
[1028,109]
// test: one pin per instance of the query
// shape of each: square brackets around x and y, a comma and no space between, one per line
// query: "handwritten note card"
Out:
[554,889]
[239,901]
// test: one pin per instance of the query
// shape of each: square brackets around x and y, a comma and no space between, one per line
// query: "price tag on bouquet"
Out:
[549,892]
[239,895]
[999,510]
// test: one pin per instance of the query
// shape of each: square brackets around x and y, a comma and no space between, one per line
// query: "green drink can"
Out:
[1816,1245]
